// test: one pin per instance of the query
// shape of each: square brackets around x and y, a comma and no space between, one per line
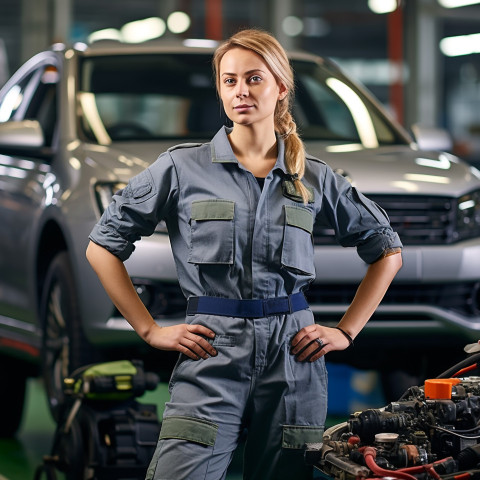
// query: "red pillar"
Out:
[213,19]
[395,56]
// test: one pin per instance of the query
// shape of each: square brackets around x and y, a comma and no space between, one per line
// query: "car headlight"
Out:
[468,216]
[104,192]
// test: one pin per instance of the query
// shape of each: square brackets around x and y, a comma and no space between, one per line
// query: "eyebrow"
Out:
[249,72]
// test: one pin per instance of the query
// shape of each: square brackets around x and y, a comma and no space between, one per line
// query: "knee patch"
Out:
[190,429]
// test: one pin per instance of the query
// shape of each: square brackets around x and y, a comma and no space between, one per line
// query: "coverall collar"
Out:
[222,152]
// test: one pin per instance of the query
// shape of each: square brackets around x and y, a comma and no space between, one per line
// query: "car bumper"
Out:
[435,265]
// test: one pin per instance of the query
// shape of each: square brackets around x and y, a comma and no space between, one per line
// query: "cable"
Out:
[453,432]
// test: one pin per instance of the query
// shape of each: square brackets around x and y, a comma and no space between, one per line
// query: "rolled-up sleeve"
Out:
[357,221]
[136,210]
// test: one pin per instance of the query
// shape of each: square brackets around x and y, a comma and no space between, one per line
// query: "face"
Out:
[248,89]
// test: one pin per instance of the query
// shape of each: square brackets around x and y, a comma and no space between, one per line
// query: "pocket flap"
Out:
[213,210]
[140,185]
[190,429]
[299,217]
[296,436]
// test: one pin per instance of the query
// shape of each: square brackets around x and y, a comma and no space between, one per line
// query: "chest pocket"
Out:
[212,232]
[297,248]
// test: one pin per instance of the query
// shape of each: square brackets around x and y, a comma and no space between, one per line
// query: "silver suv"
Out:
[77,123]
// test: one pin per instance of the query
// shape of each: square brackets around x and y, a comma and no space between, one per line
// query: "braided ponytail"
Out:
[276,58]
[294,148]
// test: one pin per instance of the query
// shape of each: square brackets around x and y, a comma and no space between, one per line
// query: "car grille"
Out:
[417,220]
[461,297]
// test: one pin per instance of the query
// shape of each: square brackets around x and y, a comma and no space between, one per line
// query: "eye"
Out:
[255,78]
[229,81]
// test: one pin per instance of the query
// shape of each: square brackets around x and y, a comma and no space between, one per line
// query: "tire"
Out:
[64,346]
[12,400]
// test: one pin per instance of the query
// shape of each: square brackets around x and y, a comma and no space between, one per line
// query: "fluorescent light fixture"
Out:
[178,22]
[358,110]
[143,30]
[382,6]
[461,45]
[292,26]
[105,34]
[457,3]
[200,42]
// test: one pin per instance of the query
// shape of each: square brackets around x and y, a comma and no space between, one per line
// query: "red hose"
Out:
[465,370]
[429,467]
[370,453]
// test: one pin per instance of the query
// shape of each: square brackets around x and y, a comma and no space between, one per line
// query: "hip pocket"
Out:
[297,247]
[212,232]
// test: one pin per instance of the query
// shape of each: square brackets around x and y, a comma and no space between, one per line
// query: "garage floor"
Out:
[349,390]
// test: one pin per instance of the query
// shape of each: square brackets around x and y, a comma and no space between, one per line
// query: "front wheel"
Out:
[64,346]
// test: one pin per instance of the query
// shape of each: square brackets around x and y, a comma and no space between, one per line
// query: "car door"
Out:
[26,186]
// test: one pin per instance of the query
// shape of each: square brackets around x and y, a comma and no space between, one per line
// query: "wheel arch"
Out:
[51,242]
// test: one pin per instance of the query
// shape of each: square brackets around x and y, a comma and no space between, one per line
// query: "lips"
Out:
[243,106]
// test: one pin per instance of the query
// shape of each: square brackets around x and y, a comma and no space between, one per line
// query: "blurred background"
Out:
[420,58]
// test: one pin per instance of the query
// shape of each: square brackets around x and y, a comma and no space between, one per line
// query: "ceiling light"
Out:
[105,34]
[461,45]
[292,26]
[178,22]
[143,30]
[457,3]
[382,6]
[200,42]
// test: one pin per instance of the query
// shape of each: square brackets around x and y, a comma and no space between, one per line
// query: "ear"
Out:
[282,91]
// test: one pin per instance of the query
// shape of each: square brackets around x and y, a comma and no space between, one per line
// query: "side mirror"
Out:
[21,134]
[432,138]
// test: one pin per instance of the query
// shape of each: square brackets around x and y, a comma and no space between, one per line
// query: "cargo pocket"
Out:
[195,367]
[297,436]
[297,248]
[212,232]
[190,429]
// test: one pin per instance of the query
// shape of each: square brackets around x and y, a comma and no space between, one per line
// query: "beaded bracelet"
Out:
[347,336]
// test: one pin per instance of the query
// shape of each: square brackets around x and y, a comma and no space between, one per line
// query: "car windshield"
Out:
[172,96]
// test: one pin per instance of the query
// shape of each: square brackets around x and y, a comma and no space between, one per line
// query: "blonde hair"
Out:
[275,57]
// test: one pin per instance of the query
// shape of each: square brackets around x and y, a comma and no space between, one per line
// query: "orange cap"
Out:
[440,388]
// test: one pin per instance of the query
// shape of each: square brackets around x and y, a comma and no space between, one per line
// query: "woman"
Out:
[240,212]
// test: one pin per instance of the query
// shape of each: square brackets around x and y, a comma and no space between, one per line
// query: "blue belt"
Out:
[254,308]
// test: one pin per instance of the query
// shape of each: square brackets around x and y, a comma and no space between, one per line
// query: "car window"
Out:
[172,96]
[43,103]
[13,98]
[146,97]
[330,107]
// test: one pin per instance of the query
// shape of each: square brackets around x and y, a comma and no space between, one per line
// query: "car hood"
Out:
[397,169]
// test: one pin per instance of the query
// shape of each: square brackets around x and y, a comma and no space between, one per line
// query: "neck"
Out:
[255,150]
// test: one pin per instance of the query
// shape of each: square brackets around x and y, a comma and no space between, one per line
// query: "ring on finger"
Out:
[320,343]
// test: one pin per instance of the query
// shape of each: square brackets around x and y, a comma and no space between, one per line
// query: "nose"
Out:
[242,89]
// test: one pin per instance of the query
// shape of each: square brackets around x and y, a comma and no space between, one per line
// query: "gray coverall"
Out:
[232,239]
